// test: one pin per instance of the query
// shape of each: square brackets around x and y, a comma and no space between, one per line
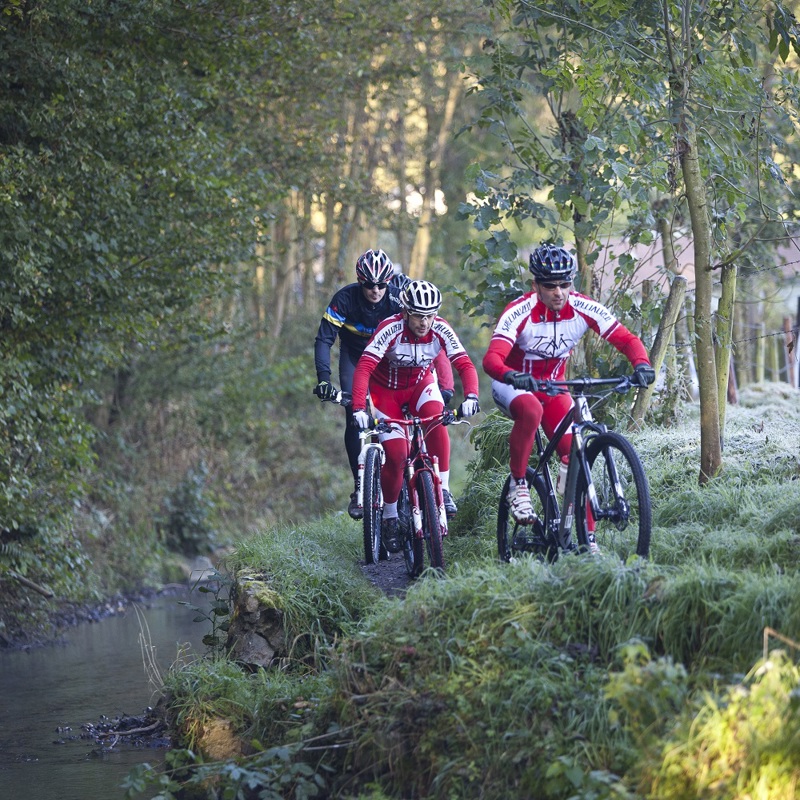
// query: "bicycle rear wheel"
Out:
[625,519]
[373,506]
[430,520]
[514,539]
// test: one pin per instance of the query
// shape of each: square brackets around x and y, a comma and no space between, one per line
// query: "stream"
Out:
[95,671]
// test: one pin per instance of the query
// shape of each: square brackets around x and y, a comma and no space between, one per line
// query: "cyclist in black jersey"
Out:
[352,315]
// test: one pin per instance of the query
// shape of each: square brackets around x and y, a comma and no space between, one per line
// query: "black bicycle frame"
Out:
[559,521]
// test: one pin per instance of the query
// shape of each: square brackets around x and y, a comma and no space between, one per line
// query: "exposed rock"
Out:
[256,635]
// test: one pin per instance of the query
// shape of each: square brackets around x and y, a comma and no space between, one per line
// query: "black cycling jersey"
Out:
[352,318]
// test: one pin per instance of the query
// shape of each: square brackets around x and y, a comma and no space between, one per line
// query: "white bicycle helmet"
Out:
[374,266]
[421,297]
[548,262]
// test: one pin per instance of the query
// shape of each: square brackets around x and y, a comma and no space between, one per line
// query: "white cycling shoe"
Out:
[519,502]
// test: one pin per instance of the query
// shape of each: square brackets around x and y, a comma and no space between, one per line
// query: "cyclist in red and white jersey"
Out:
[532,342]
[397,368]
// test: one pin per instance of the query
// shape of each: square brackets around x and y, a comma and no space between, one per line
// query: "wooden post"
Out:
[672,308]
[733,387]
[773,361]
[762,329]
[741,358]
[790,351]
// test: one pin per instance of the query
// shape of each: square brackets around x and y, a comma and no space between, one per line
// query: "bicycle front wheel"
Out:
[430,520]
[373,505]
[624,521]
[412,554]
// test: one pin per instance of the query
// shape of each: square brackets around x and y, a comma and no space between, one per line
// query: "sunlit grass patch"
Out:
[743,741]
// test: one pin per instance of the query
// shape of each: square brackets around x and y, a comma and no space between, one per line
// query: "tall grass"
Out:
[584,678]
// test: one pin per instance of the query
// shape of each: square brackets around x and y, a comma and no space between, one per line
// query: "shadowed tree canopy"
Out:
[147,152]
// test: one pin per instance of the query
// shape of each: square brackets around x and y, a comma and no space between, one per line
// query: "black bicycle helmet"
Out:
[374,266]
[421,297]
[400,280]
[548,262]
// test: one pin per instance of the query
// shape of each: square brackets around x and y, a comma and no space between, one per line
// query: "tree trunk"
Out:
[422,241]
[664,335]
[402,258]
[724,342]
[585,271]
[710,444]
[285,267]
[760,350]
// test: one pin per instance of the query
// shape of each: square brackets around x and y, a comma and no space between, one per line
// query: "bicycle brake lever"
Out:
[550,390]
[623,386]
[450,416]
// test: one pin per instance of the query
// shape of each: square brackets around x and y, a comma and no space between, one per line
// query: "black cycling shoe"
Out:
[390,533]
[354,509]
[450,506]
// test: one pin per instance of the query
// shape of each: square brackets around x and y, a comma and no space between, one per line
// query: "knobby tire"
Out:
[373,506]
[412,558]
[625,523]
[430,520]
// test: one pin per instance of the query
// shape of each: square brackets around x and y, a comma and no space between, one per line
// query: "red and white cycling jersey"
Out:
[397,359]
[531,338]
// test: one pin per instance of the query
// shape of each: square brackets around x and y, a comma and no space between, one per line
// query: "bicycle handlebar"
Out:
[446,417]
[619,383]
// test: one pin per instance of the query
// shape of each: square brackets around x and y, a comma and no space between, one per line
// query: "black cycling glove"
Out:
[522,381]
[325,390]
[643,375]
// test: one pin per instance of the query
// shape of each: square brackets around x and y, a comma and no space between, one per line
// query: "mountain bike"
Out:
[422,519]
[421,515]
[606,490]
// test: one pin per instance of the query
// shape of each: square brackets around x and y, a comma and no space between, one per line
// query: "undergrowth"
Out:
[588,678]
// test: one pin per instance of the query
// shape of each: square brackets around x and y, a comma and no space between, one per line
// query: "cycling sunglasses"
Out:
[562,285]
[371,285]
[421,317]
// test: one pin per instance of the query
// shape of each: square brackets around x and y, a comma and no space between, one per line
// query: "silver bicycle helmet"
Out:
[548,262]
[374,266]
[421,297]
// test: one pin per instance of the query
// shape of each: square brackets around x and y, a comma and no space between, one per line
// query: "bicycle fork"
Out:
[416,506]
[362,458]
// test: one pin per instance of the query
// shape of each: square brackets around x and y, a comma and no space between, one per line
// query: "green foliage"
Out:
[274,773]
[115,215]
[585,678]
[741,741]
[217,612]
[186,511]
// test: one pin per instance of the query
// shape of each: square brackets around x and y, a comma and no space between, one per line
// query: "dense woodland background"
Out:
[184,185]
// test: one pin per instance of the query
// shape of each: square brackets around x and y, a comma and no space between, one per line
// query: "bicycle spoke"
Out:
[514,539]
[624,519]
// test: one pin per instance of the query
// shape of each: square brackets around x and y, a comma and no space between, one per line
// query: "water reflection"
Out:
[97,670]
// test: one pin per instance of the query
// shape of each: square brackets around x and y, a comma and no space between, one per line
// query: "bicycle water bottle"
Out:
[561,483]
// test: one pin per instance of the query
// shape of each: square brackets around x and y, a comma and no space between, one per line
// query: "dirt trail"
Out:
[389,576]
